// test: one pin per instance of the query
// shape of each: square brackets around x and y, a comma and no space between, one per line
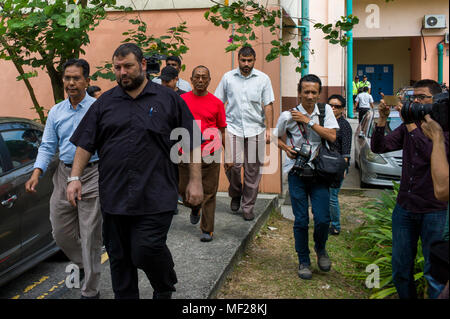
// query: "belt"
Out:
[90,164]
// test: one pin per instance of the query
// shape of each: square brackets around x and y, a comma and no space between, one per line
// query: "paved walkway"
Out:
[201,267]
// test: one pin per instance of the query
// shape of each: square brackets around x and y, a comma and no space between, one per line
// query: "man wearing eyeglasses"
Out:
[77,231]
[417,214]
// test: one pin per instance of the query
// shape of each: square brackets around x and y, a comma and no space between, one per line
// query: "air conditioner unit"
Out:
[434,21]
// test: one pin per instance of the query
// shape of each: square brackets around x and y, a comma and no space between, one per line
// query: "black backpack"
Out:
[330,164]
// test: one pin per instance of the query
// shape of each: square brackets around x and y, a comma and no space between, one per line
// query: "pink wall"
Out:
[206,47]
[428,69]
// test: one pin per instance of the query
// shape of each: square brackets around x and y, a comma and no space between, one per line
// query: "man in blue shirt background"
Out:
[77,231]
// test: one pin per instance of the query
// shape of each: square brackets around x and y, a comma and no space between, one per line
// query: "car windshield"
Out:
[392,124]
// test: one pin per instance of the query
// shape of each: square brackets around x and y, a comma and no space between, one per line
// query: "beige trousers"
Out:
[78,230]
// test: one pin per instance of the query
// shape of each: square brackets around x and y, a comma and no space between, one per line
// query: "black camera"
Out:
[153,66]
[413,111]
[303,156]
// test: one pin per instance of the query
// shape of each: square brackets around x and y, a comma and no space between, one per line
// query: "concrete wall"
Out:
[399,18]
[326,60]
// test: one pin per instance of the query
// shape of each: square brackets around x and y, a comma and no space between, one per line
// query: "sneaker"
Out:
[235,203]
[206,237]
[333,231]
[180,200]
[195,216]
[304,272]
[324,262]
[249,216]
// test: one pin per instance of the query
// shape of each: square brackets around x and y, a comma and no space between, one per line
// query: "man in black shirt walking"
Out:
[130,127]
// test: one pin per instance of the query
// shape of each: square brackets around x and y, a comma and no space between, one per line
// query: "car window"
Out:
[22,145]
[392,124]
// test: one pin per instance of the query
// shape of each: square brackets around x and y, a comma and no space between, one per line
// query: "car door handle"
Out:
[8,203]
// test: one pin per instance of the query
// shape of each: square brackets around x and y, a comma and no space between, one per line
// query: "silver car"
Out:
[376,169]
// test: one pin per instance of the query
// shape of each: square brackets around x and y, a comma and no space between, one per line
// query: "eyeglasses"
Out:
[70,78]
[337,106]
[421,97]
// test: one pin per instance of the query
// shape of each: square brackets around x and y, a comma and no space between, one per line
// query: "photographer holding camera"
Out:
[304,136]
[417,213]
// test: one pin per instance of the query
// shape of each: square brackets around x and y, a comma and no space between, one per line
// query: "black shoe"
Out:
[235,203]
[162,295]
[97,296]
[195,215]
[333,231]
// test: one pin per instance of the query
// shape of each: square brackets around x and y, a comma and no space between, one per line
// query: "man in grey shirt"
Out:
[175,62]
[249,96]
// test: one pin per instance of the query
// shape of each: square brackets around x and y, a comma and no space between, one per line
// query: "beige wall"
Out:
[387,51]
[399,18]
[325,60]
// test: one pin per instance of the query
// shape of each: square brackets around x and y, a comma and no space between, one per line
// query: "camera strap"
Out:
[302,129]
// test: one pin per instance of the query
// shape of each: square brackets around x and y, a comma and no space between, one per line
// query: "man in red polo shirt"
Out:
[209,112]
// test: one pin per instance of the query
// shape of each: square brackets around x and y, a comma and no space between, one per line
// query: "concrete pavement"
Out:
[201,267]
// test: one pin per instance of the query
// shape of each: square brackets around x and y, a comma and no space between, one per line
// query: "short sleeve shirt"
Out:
[364,100]
[209,113]
[134,144]
[246,97]
[287,124]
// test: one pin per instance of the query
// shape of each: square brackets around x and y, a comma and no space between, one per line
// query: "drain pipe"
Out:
[305,37]
[350,65]
[440,48]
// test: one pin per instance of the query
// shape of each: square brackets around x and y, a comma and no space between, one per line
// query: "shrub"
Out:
[374,239]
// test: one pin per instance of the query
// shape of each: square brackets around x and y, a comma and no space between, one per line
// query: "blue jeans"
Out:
[320,199]
[407,227]
[335,211]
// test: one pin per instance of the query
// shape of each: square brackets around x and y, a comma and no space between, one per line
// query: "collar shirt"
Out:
[62,121]
[246,97]
[181,84]
[137,143]
[416,193]
[364,100]
[287,124]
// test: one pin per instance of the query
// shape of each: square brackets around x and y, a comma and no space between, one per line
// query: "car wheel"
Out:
[361,183]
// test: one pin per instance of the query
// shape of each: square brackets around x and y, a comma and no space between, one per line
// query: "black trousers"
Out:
[134,242]
[362,112]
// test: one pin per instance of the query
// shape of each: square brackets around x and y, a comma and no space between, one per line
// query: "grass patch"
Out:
[269,267]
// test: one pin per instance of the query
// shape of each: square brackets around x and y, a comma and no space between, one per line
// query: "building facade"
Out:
[389,44]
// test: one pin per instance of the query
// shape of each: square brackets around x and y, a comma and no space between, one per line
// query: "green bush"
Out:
[374,240]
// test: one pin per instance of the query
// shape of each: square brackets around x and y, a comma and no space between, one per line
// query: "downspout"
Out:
[305,37]
[350,65]
[440,48]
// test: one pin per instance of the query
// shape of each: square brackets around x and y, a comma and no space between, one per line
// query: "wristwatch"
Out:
[73,178]
[311,123]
